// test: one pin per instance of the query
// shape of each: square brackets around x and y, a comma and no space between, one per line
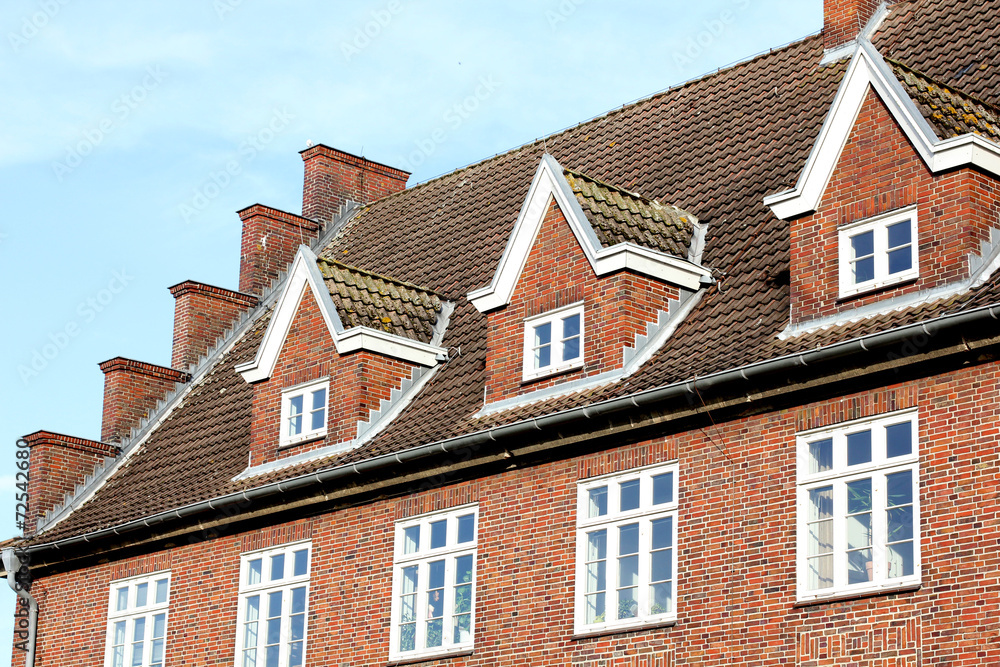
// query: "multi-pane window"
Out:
[878,252]
[858,507]
[274,598]
[303,412]
[553,342]
[434,584]
[626,549]
[137,621]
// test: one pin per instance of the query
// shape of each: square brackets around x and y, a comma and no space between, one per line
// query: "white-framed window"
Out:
[272,611]
[434,584]
[878,252]
[303,412]
[553,341]
[626,555]
[137,621]
[858,507]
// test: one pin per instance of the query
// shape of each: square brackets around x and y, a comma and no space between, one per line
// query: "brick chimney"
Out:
[56,465]
[270,239]
[131,390]
[843,20]
[203,313]
[332,177]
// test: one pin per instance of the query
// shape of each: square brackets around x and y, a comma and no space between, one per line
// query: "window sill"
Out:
[417,659]
[291,444]
[857,595]
[847,297]
[620,630]
[558,372]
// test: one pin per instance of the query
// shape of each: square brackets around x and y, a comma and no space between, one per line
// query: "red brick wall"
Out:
[202,314]
[332,177]
[557,273]
[736,550]
[131,390]
[879,171]
[269,243]
[359,381]
[57,464]
[844,19]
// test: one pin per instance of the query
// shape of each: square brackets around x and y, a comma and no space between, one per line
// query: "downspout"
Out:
[12,563]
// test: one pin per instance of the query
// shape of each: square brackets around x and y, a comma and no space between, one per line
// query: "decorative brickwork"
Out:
[57,464]
[879,171]
[872,404]
[137,567]
[617,308]
[131,390]
[423,503]
[202,314]
[270,240]
[273,537]
[332,177]
[843,20]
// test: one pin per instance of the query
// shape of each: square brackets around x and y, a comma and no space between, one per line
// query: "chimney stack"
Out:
[202,314]
[131,390]
[333,177]
[843,20]
[58,463]
[270,239]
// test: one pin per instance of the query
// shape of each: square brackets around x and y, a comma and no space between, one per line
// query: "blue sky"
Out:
[118,121]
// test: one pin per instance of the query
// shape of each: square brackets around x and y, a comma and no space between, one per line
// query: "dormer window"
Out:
[553,342]
[303,412]
[878,252]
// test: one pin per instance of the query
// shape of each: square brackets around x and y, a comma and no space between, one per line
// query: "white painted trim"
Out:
[868,71]
[878,225]
[554,318]
[305,273]
[550,184]
[846,50]
[304,390]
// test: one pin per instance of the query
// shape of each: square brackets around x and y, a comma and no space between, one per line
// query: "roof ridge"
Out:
[958,92]
[380,276]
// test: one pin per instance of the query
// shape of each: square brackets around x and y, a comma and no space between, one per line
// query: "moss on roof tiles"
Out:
[366,299]
[620,216]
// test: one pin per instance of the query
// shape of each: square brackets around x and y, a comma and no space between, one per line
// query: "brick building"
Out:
[712,379]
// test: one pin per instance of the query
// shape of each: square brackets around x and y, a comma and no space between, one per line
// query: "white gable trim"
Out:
[549,183]
[867,71]
[305,274]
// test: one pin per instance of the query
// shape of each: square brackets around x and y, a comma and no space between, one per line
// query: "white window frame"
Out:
[266,586]
[132,613]
[644,515]
[556,362]
[879,225]
[422,558]
[305,390]
[838,477]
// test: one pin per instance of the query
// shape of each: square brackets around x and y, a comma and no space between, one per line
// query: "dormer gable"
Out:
[592,277]
[898,203]
[341,345]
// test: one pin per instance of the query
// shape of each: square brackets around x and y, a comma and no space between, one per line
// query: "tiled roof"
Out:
[365,299]
[950,113]
[715,147]
[619,216]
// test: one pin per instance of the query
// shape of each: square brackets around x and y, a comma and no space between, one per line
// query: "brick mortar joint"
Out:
[121,364]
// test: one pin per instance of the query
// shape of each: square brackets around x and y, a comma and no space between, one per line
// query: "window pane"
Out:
[543,349]
[407,637]
[859,531]
[159,625]
[595,608]
[821,456]
[598,505]
[597,551]
[661,599]
[571,349]
[121,604]
[899,488]
[597,576]
[898,439]
[864,270]
[463,569]
[277,567]
[295,405]
[119,632]
[299,600]
[628,571]
[271,656]
[859,566]
[295,425]
[821,503]
[408,609]
[273,617]
[435,603]
[411,539]
[435,574]
[628,603]
[571,326]
[141,591]
[435,633]
[319,399]
[138,635]
[900,559]
[161,591]
[661,564]
[118,645]
[156,653]
[295,655]
[253,609]
[253,572]
[301,566]
[571,337]
[859,448]
[466,528]
[820,572]
[899,234]
[439,534]
[663,488]
[900,260]
[297,627]
[463,629]
[629,495]
[543,334]
[543,357]
[821,537]
[863,244]
[628,539]
[900,523]
[859,496]
[318,418]
[662,533]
